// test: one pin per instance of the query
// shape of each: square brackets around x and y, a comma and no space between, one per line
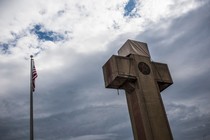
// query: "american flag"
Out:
[34,76]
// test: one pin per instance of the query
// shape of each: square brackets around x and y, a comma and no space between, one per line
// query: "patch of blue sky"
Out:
[129,8]
[46,35]
[5,46]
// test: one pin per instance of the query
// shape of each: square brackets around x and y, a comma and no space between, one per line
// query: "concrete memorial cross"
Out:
[143,80]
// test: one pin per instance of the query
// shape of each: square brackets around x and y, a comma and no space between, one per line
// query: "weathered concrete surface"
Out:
[143,81]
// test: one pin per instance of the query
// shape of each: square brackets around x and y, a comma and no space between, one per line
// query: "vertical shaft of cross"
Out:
[148,117]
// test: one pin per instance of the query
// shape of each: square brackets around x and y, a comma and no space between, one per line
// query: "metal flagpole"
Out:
[31,103]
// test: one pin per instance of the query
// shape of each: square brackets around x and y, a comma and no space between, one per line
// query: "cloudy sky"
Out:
[71,40]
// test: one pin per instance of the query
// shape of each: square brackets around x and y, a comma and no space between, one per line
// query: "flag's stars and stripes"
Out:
[34,76]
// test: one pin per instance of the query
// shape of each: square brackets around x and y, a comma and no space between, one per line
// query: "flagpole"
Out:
[31,103]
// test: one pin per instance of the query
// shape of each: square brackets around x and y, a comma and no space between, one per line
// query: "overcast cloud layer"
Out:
[71,40]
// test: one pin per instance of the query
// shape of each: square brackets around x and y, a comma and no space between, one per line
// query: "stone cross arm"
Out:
[119,73]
